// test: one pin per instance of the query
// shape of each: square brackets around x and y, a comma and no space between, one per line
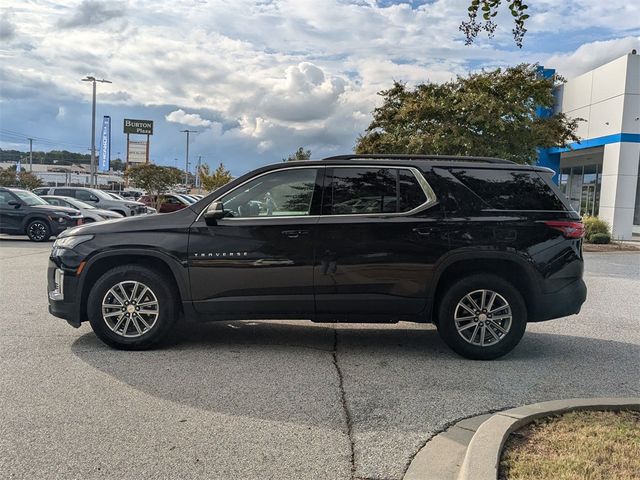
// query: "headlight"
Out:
[71,241]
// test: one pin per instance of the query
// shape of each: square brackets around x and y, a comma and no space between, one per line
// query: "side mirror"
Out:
[15,203]
[214,213]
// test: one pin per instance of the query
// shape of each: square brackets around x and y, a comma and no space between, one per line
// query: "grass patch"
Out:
[580,445]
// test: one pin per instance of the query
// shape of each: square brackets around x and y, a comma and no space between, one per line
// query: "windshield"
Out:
[116,196]
[29,198]
[186,198]
[101,194]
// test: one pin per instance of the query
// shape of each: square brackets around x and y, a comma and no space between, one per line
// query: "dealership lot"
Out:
[279,399]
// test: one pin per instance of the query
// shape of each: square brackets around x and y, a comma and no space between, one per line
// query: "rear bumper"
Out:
[562,303]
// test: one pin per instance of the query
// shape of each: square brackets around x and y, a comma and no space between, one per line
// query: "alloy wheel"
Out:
[37,231]
[483,318]
[130,309]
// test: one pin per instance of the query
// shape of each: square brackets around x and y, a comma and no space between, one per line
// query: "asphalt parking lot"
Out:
[285,400]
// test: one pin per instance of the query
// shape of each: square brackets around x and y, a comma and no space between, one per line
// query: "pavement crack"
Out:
[345,408]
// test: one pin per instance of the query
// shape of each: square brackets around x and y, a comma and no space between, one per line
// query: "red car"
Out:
[168,202]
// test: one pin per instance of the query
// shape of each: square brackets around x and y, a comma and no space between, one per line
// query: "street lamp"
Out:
[186,158]
[93,126]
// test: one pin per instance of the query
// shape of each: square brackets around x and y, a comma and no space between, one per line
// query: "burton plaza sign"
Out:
[141,127]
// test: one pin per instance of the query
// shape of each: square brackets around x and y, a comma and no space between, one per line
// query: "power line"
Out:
[12,134]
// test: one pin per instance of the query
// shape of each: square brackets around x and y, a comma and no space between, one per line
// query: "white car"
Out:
[90,213]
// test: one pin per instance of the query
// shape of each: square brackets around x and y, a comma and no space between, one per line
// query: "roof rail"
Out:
[435,158]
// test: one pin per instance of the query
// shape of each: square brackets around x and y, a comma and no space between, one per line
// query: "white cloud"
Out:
[591,55]
[264,77]
[191,119]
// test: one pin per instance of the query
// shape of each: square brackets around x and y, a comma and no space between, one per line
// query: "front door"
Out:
[259,258]
[10,215]
[378,238]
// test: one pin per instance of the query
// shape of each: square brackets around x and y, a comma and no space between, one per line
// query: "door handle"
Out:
[423,230]
[294,233]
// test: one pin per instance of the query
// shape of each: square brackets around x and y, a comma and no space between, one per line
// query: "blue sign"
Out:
[105,145]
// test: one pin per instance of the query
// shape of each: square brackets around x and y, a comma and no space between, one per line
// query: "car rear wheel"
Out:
[38,230]
[132,308]
[482,317]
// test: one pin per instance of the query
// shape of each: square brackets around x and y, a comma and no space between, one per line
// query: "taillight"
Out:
[569,229]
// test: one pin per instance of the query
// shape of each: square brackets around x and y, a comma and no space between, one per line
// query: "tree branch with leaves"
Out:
[215,180]
[488,10]
[154,179]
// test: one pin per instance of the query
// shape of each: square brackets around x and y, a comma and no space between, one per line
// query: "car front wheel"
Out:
[482,317]
[132,308]
[38,231]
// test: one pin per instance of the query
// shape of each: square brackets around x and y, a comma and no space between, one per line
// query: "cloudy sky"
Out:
[257,79]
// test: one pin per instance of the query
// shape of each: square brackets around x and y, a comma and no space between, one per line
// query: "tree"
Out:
[9,178]
[215,180]
[300,154]
[153,179]
[489,9]
[117,165]
[491,113]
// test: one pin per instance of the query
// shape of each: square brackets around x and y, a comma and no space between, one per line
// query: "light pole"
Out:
[186,158]
[93,126]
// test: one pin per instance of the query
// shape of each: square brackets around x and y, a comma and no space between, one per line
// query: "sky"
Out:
[258,79]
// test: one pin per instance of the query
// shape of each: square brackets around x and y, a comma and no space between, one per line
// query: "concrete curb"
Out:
[482,458]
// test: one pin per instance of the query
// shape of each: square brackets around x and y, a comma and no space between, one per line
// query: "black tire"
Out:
[120,212]
[167,300]
[38,230]
[447,309]
[89,220]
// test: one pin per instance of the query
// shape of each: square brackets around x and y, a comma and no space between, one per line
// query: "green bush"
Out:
[593,226]
[600,238]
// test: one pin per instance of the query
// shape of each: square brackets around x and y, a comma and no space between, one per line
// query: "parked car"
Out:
[89,212]
[169,202]
[93,196]
[24,213]
[477,246]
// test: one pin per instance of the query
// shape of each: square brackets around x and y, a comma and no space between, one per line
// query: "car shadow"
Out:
[394,375]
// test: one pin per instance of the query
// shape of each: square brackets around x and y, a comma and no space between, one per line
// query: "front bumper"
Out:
[62,286]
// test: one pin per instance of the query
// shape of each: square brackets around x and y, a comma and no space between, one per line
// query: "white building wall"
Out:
[608,99]
[619,183]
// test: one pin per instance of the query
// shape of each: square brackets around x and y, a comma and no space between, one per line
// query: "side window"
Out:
[54,201]
[364,190]
[85,196]
[281,193]
[64,192]
[510,189]
[5,198]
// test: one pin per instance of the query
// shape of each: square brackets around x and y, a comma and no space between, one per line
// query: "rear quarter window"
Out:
[510,189]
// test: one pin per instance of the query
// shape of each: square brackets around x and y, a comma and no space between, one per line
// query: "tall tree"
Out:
[300,154]
[217,179]
[154,179]
[489,9]
[492,113]
[9,178]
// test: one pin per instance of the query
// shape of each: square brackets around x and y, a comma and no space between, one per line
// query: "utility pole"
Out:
[30,155]
[186,158]
[93,168]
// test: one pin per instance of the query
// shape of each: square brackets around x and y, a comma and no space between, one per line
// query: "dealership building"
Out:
[600,173]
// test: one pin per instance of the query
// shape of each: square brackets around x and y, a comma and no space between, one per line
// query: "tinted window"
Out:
[85,196]
[54,201]
[5,198]
[510,190]
[281,193]
[354,190]
[64,192]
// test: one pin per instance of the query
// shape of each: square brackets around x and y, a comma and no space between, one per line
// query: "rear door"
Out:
[10,216]
[258,260]
[378,238]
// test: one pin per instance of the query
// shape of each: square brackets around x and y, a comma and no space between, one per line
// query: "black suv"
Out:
[24,213]
[478,246]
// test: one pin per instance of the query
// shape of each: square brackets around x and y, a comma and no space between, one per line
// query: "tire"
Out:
[465,336]
[132,332]
[38,230]
[120,212]
[88,220]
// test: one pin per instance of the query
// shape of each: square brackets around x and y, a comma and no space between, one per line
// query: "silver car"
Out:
[97,198]
[90,213]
